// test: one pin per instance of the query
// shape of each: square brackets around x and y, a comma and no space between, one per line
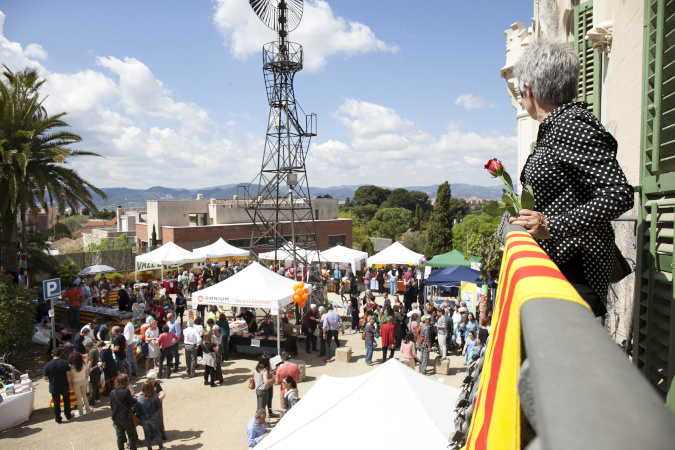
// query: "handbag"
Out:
[363,335]
[134,417]
[251,383]
[317,332]
[621,268]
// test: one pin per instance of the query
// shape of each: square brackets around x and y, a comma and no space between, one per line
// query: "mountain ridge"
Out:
[137,198]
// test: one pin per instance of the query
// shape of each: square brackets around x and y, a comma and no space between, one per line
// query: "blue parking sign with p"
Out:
[51,288]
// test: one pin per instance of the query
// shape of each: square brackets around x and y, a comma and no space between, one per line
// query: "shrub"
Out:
[16,319]
[67,272]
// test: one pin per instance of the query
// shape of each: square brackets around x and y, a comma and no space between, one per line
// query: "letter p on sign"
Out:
[51,288]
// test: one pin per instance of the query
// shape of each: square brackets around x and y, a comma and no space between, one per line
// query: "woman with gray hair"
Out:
[577,182]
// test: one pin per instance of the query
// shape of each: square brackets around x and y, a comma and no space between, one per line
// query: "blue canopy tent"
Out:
[452,277]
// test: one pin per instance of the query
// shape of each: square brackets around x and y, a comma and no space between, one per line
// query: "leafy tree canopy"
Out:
[390,223]
[439,238]
[366,195]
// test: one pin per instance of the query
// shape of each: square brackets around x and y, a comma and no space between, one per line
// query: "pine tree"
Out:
[439,239]
[153,238]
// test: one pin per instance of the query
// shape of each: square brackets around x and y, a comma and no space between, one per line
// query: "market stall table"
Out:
[87,313]
[171,286]
[16,409]
[243,344]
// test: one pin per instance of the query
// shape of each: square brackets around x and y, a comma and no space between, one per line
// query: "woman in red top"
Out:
[388,342]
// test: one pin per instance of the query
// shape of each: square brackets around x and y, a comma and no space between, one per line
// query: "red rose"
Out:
[495,167]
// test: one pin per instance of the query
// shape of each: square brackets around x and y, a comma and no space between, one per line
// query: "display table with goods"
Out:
[171,286]
[88,313]
[254,345]
[241,341]
[17,397]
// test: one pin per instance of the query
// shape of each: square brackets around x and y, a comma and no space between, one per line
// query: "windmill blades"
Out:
[268,11]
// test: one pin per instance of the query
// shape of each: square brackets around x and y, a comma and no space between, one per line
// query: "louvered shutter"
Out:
[654,323]
[589,73]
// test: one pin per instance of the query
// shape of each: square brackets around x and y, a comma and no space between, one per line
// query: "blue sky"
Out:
[172,93]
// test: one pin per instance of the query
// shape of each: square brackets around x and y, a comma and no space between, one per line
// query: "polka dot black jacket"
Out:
[579,186]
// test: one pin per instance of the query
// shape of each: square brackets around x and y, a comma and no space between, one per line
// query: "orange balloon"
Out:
[301,304]
[306,291]
[298,291]
[296,298]
[296,286]
[304,297]
[301,284]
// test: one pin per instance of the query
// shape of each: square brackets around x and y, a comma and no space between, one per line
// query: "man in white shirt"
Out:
[192,340]
[130,363]
[414,310]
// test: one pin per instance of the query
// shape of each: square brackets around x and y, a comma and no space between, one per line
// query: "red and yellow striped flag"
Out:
[526,273]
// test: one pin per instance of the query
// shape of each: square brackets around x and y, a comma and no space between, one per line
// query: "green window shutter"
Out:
[654,320]
[589,73]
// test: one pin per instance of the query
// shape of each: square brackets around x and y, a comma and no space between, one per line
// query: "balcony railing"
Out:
[552,378]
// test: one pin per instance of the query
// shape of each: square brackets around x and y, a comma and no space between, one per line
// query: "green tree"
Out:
[16,319]
[399,198]
[324,196]
[439,237]
[458,208]
[480,231]
[365,213]
[85,211]
[390,223]
[359,230]
[103,215]
[474,227]
[118,243]
[74,223]
[67,271]
[415,241]
[33,153]
[366,195]
[368,246]
[153,237]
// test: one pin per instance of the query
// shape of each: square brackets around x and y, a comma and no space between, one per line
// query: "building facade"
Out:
[200,222]
[627,76]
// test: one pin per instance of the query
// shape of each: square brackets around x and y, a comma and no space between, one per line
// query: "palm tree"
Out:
[33,153]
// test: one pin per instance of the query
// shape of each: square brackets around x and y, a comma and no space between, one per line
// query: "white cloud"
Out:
[388,150]
[321,33]
[141,93]
[470,101]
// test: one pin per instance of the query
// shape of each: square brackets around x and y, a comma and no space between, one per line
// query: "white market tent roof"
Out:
[427,404]
[168,254]
[396,253]
[254,287]
[285,253]
[220,249]
[341,254]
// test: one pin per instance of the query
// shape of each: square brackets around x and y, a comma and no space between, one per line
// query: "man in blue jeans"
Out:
[393,281]
[425,332]
[331,323]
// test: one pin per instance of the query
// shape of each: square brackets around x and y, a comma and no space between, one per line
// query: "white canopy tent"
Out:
[220,249]
[285,253]
[428,405]
[396,253]
[168,254]
[340,254]
[253,287]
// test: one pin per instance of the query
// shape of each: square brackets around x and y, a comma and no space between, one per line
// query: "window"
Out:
[306,238]
[197,219]
[589,73]
[240,243]
[336,240]
[653,339]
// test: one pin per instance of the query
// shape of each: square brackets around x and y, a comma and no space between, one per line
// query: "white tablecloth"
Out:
[16,409]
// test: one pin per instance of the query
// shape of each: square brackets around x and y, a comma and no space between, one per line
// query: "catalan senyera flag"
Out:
[526,273]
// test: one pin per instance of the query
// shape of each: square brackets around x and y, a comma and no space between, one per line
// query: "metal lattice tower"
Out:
[280,206]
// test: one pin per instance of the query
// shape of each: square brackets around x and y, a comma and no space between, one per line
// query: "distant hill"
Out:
[137,198]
